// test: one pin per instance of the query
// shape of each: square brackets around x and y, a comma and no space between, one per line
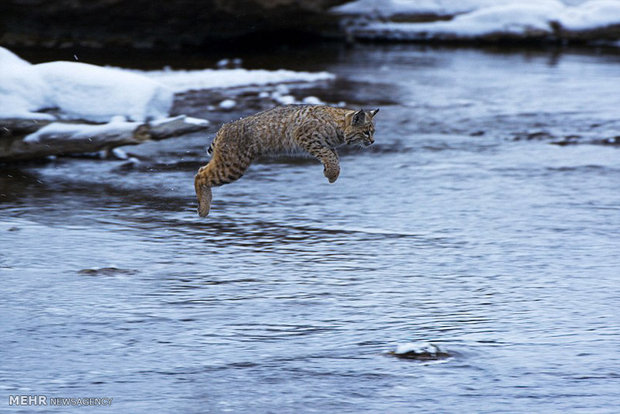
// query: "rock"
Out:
[106,271]
[421,351]
[142,24]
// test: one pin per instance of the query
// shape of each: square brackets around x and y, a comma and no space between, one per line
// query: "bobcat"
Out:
[316,129]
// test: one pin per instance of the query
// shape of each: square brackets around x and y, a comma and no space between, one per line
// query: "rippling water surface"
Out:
[463,226]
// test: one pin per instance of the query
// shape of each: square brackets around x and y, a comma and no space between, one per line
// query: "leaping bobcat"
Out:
[316,129]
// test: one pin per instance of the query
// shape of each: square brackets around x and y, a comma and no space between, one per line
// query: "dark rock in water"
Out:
[421,351]
[106,271]
[611,141]
[531,136]
[148,24]
[567,140]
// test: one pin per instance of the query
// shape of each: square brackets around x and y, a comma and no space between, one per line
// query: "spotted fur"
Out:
[314,129]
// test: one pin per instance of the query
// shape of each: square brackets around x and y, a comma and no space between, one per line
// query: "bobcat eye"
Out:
[367,134]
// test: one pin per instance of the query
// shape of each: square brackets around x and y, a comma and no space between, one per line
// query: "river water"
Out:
[465,225]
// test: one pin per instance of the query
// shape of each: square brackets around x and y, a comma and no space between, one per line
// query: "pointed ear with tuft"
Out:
[359,118]
[374,112]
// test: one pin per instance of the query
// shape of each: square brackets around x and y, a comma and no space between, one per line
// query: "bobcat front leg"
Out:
[329,159]
[311,136]
[331,165]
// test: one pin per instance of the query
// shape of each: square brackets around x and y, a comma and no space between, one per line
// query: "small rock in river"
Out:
[421,351]
[106,271]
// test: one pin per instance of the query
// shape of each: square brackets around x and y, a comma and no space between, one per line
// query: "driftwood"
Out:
[32,139]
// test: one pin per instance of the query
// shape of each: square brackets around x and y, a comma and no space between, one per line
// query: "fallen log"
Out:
[30,139]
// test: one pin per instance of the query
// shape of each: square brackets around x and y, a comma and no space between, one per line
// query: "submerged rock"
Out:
[106,271]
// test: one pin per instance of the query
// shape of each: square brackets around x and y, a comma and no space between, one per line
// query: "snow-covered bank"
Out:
[129,106]
[72,90]
[483,20]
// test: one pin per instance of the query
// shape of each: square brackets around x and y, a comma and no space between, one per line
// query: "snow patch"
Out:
[196,121]
[285,99]
[416,348]
[312,100]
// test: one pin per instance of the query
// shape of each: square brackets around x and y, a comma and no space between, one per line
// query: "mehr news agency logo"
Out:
[44,400]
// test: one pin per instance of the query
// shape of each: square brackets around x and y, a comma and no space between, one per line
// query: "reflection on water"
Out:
[290,295]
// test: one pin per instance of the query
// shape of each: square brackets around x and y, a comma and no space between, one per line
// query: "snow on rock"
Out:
[474,19]
[312,100]
[419,350]
[285,99]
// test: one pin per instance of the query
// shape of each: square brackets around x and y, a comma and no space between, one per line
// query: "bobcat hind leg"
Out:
[222,169]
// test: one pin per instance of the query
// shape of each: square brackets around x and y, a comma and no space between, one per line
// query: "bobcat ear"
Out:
[373,112]
[359,118]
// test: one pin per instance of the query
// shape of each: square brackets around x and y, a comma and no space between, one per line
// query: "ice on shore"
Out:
[480,18]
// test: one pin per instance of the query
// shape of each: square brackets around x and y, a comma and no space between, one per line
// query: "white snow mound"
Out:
[22,90]
[77,91]
[95,93]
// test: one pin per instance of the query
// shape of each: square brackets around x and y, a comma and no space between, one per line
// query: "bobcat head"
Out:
[360,127]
